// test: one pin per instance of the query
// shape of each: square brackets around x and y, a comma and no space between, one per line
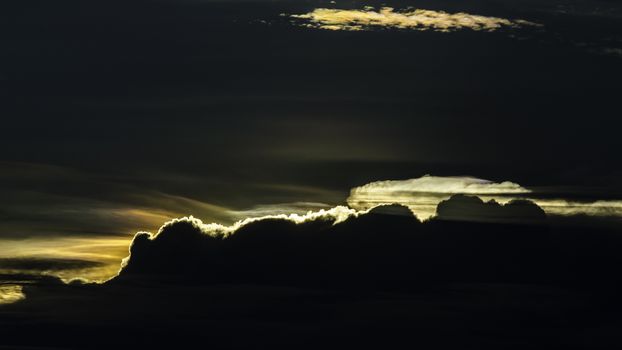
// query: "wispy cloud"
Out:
[90,258]
[417,19]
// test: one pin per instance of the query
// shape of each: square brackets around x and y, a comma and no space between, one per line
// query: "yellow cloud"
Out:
[418,19]
[422,195]
[10,293]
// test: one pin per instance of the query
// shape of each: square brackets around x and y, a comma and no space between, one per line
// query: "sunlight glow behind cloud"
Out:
[421,195]
[417,19]
[336,215]
[107,251]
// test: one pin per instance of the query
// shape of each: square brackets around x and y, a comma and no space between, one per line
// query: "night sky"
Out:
[119,116]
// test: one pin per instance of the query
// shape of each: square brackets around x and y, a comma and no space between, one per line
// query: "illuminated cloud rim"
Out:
[335,215]
[440,184]
[415,19]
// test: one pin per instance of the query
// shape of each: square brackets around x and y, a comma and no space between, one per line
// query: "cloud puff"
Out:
[10,293]
[333,215]
[418,19]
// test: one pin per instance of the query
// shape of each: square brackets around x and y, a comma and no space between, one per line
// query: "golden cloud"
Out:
[417,19]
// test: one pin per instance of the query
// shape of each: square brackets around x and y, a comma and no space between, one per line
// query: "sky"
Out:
[310,174]
[118,116]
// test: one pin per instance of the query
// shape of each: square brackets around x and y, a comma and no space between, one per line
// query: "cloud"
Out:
[418,19]
[10,293]
[470,208]
[423,194]
[337,246]
[441,184]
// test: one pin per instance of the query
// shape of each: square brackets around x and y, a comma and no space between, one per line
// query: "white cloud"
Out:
[441,184]
[418,19]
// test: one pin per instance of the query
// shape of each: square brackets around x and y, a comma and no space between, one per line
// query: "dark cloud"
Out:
[471,208]
[388,247]
[45,264]
[377,279]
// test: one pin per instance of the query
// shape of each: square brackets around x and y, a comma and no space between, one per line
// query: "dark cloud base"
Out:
[380,280]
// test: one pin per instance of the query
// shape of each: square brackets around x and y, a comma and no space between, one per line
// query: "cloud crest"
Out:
[416,19]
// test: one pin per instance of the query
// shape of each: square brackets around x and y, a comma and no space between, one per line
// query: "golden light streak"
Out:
[108,251]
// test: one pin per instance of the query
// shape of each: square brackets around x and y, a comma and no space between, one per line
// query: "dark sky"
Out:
[118,116]
[156,104]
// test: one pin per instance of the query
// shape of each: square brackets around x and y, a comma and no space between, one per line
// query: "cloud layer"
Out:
[417,19]
[423,195]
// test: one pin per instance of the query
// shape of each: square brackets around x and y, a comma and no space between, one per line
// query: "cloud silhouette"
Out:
[471,208]
[10,293]
[386,246]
